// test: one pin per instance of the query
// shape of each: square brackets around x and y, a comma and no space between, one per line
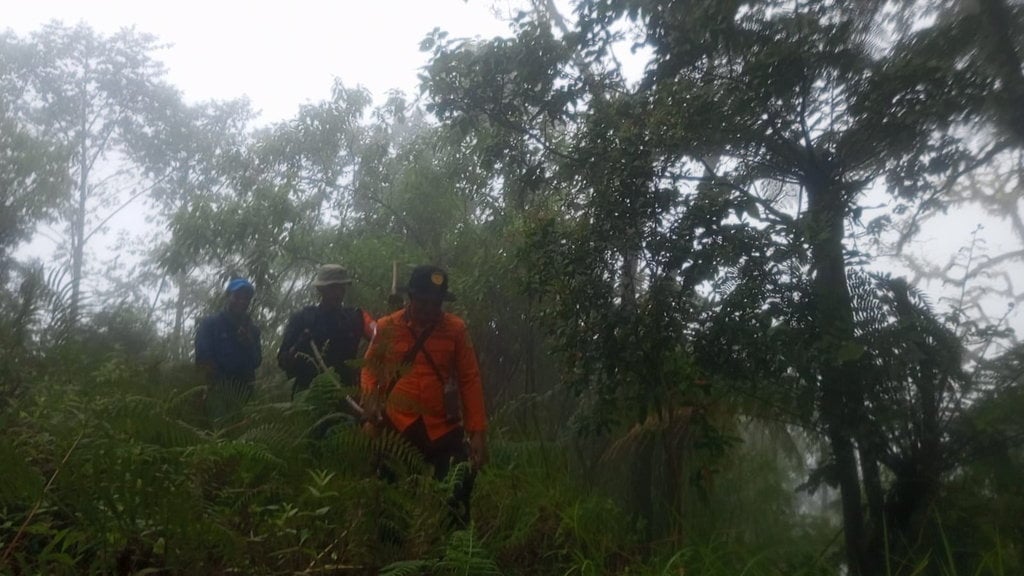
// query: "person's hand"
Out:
[373,414]
[373,407]
[371,430]
[478,449]
[289,360]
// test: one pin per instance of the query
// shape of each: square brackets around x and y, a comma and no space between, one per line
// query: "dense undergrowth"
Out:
[114,468]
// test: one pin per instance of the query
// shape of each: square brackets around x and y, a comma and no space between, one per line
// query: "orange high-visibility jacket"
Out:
[418,392]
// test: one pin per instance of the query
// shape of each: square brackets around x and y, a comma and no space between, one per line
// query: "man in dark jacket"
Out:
[228,348]
[334,329]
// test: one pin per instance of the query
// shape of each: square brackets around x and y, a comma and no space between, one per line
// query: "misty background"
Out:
[743,280]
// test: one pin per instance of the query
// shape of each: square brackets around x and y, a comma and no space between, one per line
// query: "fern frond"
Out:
[348,450]
[322,427]
[227,449]
[409,568]
[398,454]
[144,419]
[183,400]
[464,555]
[280,438]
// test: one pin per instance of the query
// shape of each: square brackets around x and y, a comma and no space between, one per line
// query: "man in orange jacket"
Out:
[420,367]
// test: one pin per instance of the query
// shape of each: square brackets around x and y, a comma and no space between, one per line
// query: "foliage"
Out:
[708,205]
[30,181]
[136,477]
[83,95]
[981,274]
[664,279]
[122,470]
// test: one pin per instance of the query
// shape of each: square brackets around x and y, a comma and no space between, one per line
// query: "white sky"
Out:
[279,54]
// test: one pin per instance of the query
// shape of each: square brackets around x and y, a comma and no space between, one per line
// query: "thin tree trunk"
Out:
[875,527]
[179,341]
[641,485]
[78,217]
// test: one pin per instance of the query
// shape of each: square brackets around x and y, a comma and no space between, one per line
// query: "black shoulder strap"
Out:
[451,403]
[420,341]
[433,365]
[411,354]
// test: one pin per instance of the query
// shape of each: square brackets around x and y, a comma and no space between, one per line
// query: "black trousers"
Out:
[442,453]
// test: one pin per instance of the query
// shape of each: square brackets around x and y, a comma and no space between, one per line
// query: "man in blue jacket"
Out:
[228,349]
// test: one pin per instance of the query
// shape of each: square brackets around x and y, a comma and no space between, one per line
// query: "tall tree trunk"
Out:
[841,396]
[180,343]
[628,275]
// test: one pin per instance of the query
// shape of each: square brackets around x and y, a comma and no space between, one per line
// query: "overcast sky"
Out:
[279,54]
[284,54]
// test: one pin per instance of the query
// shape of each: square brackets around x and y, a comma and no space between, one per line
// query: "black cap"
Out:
[427,281]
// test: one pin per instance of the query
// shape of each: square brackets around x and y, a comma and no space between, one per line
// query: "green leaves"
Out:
[84,97]
[33,178]
[849,352]
[765,122]
[149,481]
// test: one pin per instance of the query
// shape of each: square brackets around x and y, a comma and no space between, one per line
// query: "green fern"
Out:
[278,437]
[237,450]
[465,555]
[409,568]
[394,452]
[462,555]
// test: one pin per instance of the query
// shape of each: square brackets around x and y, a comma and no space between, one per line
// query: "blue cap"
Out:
[240,284]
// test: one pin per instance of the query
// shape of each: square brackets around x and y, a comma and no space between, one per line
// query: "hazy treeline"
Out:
[671,284]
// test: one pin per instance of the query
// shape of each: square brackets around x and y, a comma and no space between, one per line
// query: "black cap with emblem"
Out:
[428,281]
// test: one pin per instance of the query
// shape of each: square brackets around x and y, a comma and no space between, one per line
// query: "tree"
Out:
[985,36]
[87,93]
[269,205]
[191,153]
[982,276]
[32,170]
[1001,22]
[733,168]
